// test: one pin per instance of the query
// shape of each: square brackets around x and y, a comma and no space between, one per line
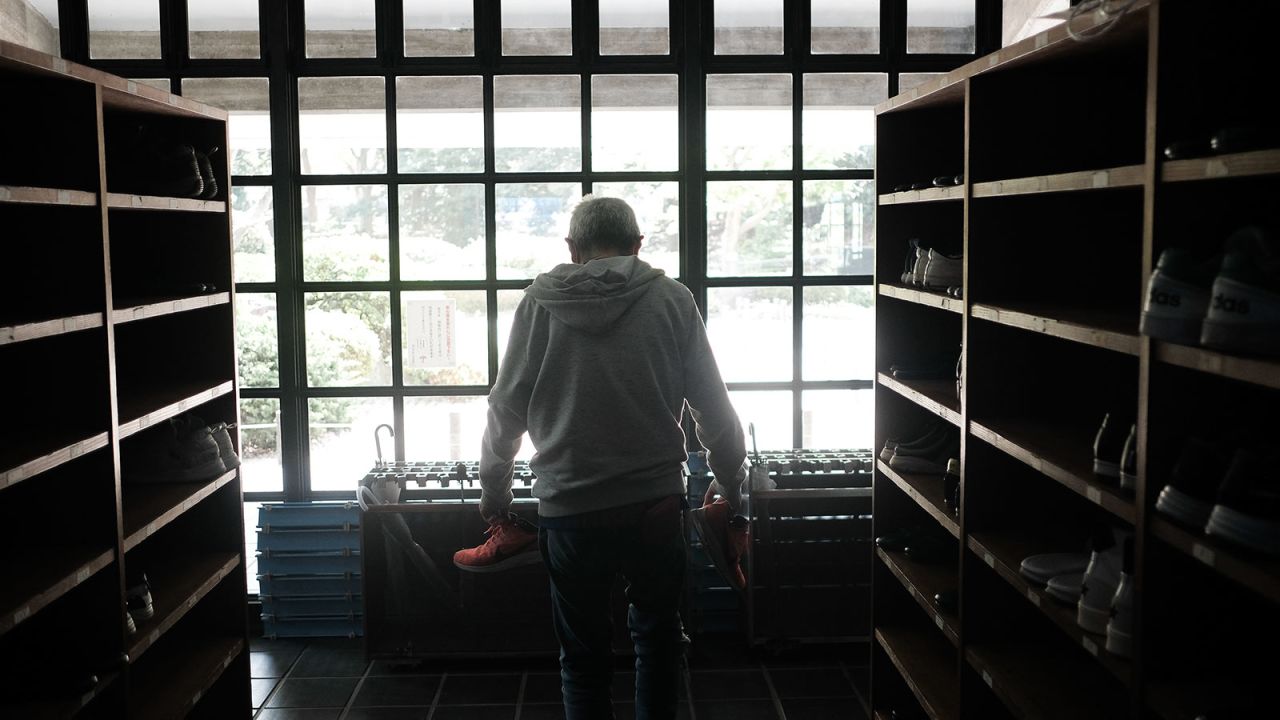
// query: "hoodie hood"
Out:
[593,296]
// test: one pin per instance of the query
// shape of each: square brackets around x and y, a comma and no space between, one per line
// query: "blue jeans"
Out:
[647,547]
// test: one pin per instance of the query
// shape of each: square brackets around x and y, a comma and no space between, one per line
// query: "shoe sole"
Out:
[1182,507]
[1128,481]
[1180,330]
[915,465]
[1242,529]
[1119,643]
[1094,620]
[1106,468]
[711,544]
[528,557]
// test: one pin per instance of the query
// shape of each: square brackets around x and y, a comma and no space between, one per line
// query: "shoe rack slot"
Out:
[1201,217]
[187,662]
[149,507]
[126,161]
[1004,496]
[936,225]
[26,295]
[47,556]
[40,678]
[914,335]
[1014,376]
[169,357]
[59,407]
[1205,636]
[809,566]
[921,144]
[176,588]
[165,255]
[923,581]
[1210,70]
[922,682]
[184,535]
[1060,116]
[1024,660]
[926,491]
[51,143]
[1072,263]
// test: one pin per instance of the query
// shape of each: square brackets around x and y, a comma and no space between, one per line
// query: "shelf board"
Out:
[125,201]
[926,491]
[922,297]
[1063,453]
[936,396]
[1106,329]
[147,411]
[176,587]
[1037,683]
[171,686]
[1054,42]
[1262,575]
[132,310]
[40,329]
[922,582]
[149,507]
[1235,165]
[1117,177]
[39,575]
[927,666]
[47,196]
[933,194]
[1191,698]
[1259,371]
[1004,555]
[49,456]
[63,707]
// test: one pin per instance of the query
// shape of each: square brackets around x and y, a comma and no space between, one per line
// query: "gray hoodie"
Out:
[601,360]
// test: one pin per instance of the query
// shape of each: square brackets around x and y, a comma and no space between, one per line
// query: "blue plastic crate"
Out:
[309,585]
[348,626]
[308,515]
[276,562]
[316,606]
[309,539]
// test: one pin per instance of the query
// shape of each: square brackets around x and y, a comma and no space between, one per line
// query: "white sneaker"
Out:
[1042,568]
[1101,580]
[1120,626]
[943,271]
[1065,588]
[921,266]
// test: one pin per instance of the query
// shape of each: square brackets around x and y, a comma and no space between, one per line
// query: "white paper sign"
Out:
[430,339]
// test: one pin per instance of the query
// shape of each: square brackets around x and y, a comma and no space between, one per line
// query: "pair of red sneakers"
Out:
[725,539]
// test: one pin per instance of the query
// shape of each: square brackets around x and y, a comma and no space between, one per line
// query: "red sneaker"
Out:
[512,542]
[725,538]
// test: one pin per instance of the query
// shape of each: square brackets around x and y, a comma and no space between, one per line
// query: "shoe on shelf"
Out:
[930,433]
[960,375]
[1042,568]
[1108,445]
[1120,626]
[931,548]
[1247,511]
[928,459]
[1129,461]
[921,267]
[208,180]
[129,625]
[943,271]
[1244,315]
[947,600]
[1194,481]
[951,486]
[226,450]
[512,542]
[726,539]
[1178,296]
[898,539]
[1187,148]
[909,262]
[1101,579]
[137,598]
[937,367]
[922,185]
[1243,138]
[182,449]
[1065,588]
[901,187]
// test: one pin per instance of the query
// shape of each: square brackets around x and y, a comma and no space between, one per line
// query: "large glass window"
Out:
[429,168]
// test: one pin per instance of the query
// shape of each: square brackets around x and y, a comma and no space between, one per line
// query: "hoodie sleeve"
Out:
[715,420]
[508,414]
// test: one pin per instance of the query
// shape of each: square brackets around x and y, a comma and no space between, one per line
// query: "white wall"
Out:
[1024,18]
[22,23]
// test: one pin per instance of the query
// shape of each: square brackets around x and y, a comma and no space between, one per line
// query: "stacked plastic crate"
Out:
[309,569]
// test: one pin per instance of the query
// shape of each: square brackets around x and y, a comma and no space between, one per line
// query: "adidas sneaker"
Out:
[1244,313]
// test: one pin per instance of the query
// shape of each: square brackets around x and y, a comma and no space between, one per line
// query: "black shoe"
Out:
[1242,138]
[920,436]
[902,187]
[207,178]
[1247,511]
[928,459]
[1193,483]
[930,548]
[1187,148]
[947,601]
[897,540]
[1108,445]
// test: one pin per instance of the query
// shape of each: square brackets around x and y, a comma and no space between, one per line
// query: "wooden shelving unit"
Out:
[927,668]
[84,399]
[1061,224]
[922,582]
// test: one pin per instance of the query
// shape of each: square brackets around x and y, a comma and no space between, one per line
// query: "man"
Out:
[603,355]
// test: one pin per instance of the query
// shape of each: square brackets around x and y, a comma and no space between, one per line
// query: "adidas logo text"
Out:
[1162,297]
[1230,304]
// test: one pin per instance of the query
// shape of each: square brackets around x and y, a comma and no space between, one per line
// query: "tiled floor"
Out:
[329,679]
